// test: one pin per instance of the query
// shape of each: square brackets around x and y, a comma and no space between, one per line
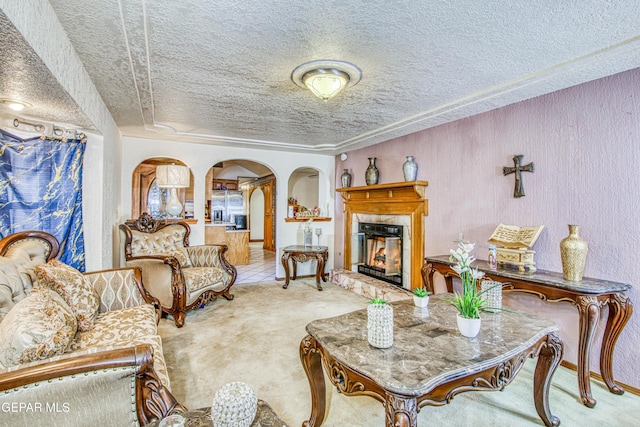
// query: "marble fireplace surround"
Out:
[401,203]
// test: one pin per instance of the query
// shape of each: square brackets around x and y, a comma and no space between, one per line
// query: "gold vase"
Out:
[573,251]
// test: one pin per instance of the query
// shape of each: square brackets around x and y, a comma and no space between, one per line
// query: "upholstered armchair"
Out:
[182,277]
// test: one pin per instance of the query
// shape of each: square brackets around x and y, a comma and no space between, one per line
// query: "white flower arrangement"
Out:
[307,226]
[470,302]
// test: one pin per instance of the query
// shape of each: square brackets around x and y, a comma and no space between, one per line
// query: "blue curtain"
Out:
[41,189]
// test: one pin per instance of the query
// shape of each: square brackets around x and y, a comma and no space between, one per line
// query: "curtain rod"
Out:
[56,131]
[37,126]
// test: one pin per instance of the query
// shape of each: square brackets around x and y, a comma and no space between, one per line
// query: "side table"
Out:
[265,417]
[299,253]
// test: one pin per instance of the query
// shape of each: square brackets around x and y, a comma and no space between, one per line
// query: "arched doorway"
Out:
[146,196]
[244,176]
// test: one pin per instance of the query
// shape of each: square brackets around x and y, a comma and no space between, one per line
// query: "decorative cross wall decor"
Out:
[517,169]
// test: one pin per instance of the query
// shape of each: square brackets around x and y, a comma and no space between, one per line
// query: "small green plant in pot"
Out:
[470,301]
[421,297]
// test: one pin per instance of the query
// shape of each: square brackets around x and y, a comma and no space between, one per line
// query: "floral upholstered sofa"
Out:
[77,349]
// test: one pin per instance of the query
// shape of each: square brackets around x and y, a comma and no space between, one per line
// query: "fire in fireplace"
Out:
[379,251]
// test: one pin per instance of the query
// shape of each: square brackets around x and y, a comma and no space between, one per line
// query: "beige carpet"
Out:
[255,339]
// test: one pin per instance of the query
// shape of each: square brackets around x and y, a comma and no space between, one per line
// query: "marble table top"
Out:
[427,349]
[308,249]
[549,278]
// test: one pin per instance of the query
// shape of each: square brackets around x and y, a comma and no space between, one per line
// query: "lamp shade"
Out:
[172,176]
[325,83]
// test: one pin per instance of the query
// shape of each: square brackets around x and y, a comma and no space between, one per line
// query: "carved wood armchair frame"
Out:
[153,400]
[146,224]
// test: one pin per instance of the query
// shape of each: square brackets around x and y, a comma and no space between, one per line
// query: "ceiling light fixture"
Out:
[15,105]
[326,79]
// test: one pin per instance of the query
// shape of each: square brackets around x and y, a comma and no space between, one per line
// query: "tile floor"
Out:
[261,267]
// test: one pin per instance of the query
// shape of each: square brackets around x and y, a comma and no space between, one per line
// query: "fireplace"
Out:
[401,205]
[379,251]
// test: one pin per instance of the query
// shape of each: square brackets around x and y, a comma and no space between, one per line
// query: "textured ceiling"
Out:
[18,67]
[219,72]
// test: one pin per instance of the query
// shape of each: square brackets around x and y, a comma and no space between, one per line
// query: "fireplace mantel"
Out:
[399,198]
[385,193]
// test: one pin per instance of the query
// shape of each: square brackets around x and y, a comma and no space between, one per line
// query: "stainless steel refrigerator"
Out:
[226,204]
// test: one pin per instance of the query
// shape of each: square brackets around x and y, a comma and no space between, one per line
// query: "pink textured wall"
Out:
[585,143]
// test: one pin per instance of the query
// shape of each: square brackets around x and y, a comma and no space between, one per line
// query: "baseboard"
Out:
[595,375]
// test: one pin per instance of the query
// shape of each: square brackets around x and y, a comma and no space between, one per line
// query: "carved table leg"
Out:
[589,311]
[285,264]
[400,411]
[549,358]
[448,280]
[427,271]
[312,363]
[319,270]
[295,267]
[620,309]
[325,258]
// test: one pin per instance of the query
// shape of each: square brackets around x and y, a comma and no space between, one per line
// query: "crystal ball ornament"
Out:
[234,405]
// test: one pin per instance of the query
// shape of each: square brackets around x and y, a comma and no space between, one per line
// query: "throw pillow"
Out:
[74,288]
[38,327]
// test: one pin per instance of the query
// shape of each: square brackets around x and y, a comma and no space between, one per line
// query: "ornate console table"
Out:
[587,295]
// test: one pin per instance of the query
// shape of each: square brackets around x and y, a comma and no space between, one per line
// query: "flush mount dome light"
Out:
[14,104]
[325,79]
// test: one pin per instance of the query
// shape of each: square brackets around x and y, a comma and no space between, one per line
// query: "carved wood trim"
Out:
[48,239]
[400,198]
[153,400]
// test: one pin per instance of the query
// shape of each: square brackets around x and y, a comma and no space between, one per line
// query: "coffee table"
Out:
[298,253]
[429,362]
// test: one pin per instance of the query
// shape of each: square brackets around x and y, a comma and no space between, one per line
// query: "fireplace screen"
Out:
[377,250]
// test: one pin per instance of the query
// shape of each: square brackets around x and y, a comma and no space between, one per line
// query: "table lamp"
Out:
[173,176]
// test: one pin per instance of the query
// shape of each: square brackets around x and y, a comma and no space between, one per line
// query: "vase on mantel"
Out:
[372,174]
[573,251]
[346,179]
[410,169]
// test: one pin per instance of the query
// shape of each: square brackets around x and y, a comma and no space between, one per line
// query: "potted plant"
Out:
[470,301]
[380,323]
[421,297]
